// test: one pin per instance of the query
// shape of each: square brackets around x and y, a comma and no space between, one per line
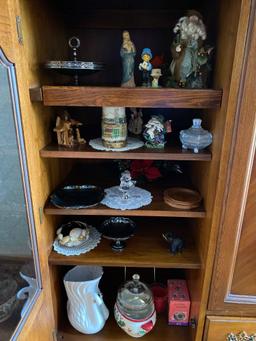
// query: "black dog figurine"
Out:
[176,244]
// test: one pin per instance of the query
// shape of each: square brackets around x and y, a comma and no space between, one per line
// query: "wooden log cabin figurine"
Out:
[67,130]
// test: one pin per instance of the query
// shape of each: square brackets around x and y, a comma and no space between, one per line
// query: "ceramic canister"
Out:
[114,127]
[135,328]
[134,308]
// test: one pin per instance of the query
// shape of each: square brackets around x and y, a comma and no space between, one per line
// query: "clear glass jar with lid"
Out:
[134,308]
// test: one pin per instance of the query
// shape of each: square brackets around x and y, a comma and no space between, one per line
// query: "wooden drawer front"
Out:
[218,327]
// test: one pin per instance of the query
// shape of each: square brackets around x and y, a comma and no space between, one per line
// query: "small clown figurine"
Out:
[146,66]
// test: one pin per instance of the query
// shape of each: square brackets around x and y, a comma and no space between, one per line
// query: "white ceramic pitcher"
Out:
[86,310]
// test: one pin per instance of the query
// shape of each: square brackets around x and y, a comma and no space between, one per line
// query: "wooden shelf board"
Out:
[145,248]
[87,152]
[112,332]
[129,97]
[155,209]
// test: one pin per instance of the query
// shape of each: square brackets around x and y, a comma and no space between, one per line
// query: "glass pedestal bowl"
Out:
[118,229]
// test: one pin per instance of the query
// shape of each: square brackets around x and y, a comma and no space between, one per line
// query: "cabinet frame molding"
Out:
[15,102]
[237,186]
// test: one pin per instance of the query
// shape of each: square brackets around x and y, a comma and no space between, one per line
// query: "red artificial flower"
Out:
[146,168]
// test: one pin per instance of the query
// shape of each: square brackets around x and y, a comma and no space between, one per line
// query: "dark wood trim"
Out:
[36,94]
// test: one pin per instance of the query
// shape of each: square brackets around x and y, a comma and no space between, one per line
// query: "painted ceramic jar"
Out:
[195,137]
[114,127]
[134,309]
[155,132]
[85,307]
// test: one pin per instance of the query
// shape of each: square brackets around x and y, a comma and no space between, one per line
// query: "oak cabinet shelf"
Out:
[145,248]
[93,96]
[87,152]
[112,331]
[156,209]
[105,174]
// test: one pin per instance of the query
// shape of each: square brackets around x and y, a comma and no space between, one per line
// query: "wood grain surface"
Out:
[146,248]
[235,226]
[112,332]
[218,327]
[87,152]
[130,97]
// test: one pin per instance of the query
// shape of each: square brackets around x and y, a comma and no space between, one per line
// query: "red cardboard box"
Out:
[178,302]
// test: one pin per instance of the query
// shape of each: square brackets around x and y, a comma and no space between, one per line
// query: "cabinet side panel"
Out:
[233,243]
[244,278]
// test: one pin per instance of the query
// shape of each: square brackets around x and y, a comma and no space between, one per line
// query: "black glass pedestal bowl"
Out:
[117,229]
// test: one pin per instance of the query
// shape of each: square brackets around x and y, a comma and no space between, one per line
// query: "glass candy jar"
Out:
[195,137]
[134,309]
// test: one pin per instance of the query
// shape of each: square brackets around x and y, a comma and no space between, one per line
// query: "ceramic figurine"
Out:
[190,65]
[27,293]
[176,244]
[146,66]
[85,307]
[128,53]
[155,132]
[114,127]
[67,130]
[134,308]
[136,121]
[155,74]
[195,137]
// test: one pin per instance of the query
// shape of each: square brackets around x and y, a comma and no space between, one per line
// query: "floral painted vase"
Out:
[155,132]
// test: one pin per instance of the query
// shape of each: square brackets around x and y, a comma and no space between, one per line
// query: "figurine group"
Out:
[190,65]
[128,53]
[67,130]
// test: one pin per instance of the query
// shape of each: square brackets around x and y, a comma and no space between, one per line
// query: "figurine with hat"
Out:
[145,66]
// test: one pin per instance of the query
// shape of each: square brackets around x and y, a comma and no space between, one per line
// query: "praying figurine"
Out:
[155,74]
[146,66]
[128,53]
[67,130]
[136,122]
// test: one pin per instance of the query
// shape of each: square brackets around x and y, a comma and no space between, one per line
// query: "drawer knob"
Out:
[242,336]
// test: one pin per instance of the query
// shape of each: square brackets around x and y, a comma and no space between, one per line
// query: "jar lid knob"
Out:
[136,277]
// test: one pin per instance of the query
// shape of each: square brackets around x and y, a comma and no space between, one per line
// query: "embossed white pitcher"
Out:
[86,310]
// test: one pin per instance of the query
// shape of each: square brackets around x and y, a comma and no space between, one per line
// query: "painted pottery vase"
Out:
[134,308]
[155,132]
[85,307]
[114,127]
[195,137]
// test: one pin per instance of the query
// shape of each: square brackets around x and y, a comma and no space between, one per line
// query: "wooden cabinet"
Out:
[218,327]
[233,289]
[224,174]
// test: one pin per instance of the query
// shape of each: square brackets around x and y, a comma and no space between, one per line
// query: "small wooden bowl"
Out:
[182,198]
